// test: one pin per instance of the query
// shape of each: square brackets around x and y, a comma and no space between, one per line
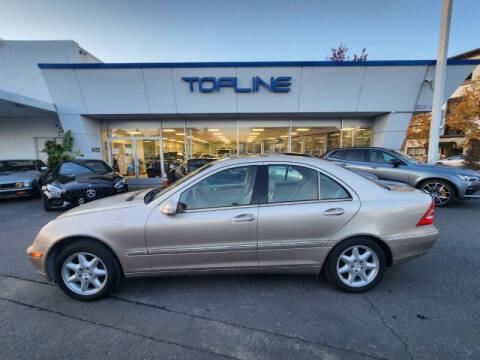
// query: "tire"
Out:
[91,280]
[441,191]
[351,280]
[37,192]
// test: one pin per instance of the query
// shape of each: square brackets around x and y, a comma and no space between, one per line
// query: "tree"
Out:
[340,54]
[60,152]
[419,129]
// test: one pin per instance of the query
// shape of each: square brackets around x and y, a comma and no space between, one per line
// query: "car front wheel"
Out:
[86,270]
[440,191]
[356,265]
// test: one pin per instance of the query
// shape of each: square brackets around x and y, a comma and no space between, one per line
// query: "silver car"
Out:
[20,178]
[255,214]
[443,183]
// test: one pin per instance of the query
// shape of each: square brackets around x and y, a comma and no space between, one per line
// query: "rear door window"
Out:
[356,155]
[380,157]
[330,189]
[288,183]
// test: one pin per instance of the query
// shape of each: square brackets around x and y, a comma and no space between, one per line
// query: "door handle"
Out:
[244,218]
[333,212]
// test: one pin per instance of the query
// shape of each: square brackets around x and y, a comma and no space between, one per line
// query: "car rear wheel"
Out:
[441,192]
[86,270]
[356,265]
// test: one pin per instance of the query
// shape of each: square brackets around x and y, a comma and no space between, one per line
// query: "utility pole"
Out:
[439,84]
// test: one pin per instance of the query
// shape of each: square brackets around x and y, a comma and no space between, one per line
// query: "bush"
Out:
[60,152]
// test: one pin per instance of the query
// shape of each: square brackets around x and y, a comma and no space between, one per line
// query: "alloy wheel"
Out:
[84,273]
[357,266]
[439,192]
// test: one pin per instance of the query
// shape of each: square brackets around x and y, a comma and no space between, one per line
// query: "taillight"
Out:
[427,219]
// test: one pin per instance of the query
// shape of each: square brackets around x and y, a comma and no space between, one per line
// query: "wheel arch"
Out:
[386,249]
[423,180]
[63,243]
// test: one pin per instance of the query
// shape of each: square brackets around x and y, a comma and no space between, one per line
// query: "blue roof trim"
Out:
[254,64]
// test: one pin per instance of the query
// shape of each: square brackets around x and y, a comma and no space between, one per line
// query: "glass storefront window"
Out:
[173,144]
[211,138]
[258,137]
[134,132]
[356,137]
[314,137]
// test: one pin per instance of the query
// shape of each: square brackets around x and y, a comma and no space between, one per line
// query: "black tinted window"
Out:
[72,169]
[338,154]
[99,167]
[357,155]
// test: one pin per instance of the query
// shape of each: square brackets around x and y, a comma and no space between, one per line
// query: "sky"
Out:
[242,30]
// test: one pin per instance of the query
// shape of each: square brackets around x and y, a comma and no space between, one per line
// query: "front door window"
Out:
[231,187]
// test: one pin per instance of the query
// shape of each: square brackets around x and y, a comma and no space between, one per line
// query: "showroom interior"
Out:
[131,146]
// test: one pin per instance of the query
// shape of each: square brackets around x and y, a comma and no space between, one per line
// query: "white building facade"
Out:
[133,115]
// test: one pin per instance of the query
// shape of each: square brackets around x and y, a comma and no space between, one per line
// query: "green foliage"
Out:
[60,152]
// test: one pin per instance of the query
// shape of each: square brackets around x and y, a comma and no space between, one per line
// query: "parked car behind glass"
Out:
[76,182]
[442,183]
[20,178]
[252,214]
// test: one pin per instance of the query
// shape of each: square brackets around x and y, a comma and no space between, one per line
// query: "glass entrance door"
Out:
[138,159]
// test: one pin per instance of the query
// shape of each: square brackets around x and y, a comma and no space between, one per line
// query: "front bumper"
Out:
[468,190]
[410,244]
[15,192]
[38,263]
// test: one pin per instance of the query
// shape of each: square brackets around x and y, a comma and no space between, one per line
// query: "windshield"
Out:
[157,192]
[17,165]
[406,158]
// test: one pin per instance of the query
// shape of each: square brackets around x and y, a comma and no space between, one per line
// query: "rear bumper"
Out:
[410,244]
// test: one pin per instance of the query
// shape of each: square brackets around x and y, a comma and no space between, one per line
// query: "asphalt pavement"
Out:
[427,308]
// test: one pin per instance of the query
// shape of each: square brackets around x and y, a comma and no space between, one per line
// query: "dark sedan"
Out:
[76,182]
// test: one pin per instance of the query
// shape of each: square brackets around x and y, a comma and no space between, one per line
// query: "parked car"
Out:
[170,159]
[20,178]
[443,183]
[455,160]
[253,214]
[76,182]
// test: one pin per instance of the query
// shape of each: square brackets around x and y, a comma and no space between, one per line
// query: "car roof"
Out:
[360,147]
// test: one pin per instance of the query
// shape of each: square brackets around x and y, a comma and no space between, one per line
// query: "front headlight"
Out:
[120,184]
[27,183]
[53,190]
[18,184]
[468,177]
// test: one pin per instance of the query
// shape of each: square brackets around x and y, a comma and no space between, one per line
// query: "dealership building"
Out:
[134,114]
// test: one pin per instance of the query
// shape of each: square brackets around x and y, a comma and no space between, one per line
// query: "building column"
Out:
[389,129]
[86,134]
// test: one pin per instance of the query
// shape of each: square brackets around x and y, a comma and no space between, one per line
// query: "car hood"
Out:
[446,169]
[14,176]
[111,203]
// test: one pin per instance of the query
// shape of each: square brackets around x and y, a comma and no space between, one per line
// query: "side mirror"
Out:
[169,208]
[396,163]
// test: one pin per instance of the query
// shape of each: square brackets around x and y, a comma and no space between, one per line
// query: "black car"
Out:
[79,181]
[170,160]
